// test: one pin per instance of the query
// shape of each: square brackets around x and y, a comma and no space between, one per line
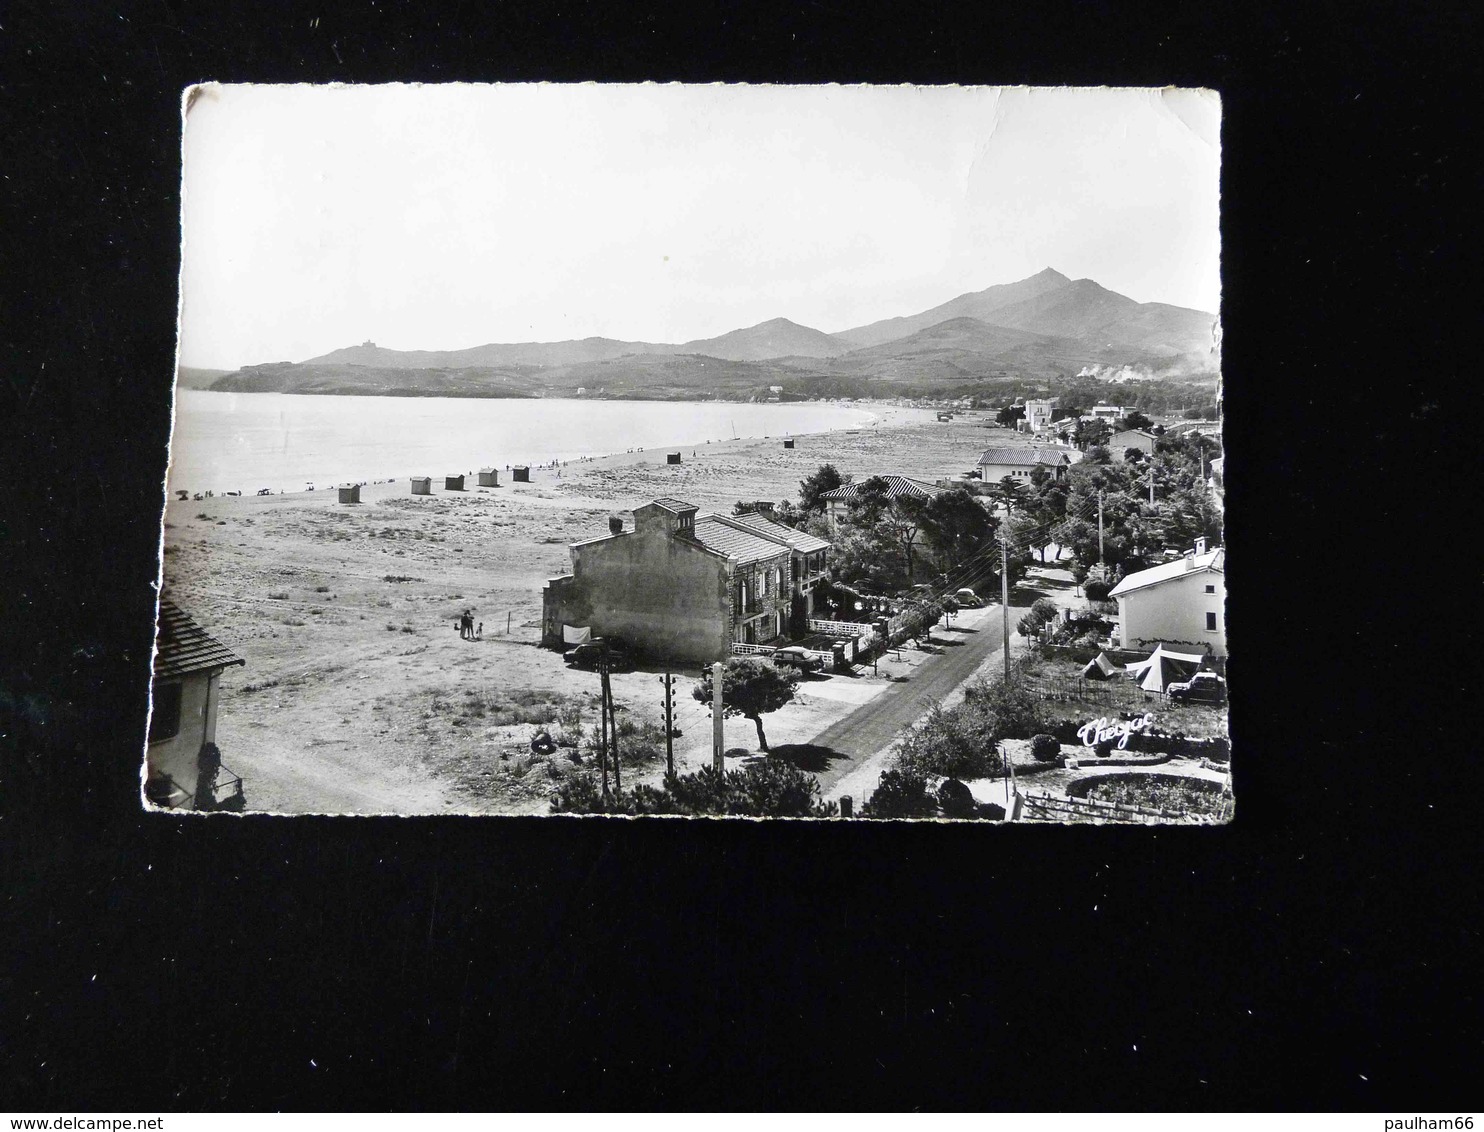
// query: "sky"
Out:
[441,217]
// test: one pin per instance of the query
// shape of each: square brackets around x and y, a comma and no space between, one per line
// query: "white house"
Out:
[1180,603]
[1037,416]
[997,463]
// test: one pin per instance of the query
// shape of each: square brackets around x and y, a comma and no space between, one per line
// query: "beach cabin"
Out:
[672,457]
[453,483]
[489,477]
[788,443]
[422,485]
[183,764]
[349,492]
[520,473]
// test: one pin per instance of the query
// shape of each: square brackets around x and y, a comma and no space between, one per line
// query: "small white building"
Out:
[1037,416]
[183,766]
[1180,603]
[997,463]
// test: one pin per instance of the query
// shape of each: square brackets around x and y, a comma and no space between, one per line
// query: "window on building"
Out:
[1211,622]
[164,718]
[1210,589]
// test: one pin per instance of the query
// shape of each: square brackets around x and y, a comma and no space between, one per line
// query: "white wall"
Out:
[1174,613]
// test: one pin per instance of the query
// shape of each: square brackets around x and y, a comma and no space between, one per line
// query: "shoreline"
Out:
[877,414]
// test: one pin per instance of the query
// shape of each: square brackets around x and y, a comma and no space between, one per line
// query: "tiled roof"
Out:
[182,646]
[895,486]
[1022,457]
[801,541]
[675,506]
[726,539]
[1169,571]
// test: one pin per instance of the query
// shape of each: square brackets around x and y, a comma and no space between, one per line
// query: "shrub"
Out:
[957,742]
[769,788]
[1044,608]
[1045,748]
[955,800]
[900,794]
[1096,589]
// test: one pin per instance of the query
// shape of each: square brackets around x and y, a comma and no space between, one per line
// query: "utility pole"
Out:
[603,719]
[1151,482]
[1100,534]
[1005,600]
[718,741]
[669,682]
[612,727]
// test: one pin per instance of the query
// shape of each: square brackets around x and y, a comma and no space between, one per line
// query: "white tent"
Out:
[1164,668]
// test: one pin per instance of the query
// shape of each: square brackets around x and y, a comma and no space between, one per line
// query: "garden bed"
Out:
[1178,795]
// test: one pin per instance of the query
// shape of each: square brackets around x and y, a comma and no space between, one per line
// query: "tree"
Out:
[750,687]
[1010,414]
[899,517]
[1091,433]
[956,526]
[1010,493]
[812,488]
[1138,420]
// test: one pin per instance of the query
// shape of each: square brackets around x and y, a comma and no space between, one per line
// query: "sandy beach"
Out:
[358,695]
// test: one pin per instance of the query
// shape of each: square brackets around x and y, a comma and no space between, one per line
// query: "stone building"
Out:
[684,586]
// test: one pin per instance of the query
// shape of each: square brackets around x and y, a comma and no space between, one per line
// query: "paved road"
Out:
[875,724]
[867,731]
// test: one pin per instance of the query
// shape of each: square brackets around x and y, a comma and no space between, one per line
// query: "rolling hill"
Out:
[1041,327]
[977,304]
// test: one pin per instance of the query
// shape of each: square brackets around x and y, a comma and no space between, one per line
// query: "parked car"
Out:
[794,656]
[968,599]
[587,655]
[1203,687]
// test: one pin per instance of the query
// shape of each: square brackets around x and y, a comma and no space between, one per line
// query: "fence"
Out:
[838,628]
[1109,693]
[740,648]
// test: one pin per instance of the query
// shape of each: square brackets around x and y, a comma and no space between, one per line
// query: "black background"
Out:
[1321,953]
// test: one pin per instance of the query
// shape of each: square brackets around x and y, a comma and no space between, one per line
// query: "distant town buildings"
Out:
[685,585]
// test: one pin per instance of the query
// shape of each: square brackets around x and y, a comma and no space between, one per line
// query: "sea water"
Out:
[284,442]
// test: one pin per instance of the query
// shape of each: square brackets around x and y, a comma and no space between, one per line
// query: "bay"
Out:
[283,442]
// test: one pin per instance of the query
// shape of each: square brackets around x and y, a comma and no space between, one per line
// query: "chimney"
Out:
[1189,560]
[615,524]
[1200,547]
